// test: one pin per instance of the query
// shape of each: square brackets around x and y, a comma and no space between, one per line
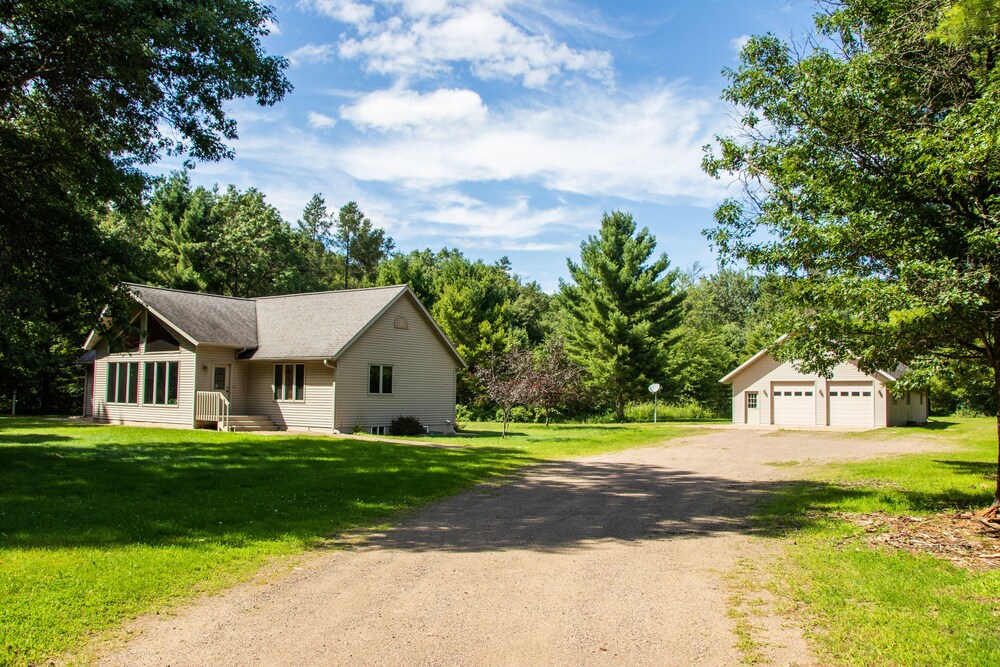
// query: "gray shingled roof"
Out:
[320,324]
[293,326]
[207,318]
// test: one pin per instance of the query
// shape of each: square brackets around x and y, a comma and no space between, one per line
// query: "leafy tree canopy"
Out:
[870,161]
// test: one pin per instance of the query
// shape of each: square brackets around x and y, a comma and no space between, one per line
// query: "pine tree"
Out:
[620,310]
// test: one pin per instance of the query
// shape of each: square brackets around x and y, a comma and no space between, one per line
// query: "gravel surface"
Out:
[616,559]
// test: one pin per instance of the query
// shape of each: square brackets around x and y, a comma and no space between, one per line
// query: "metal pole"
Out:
[13,404]
[655,406]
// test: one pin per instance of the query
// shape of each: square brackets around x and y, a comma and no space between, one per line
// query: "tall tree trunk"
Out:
[996,394]
[506,416]
[620,408]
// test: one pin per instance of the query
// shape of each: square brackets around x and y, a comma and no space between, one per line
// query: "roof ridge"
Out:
[331,291]
[185,291]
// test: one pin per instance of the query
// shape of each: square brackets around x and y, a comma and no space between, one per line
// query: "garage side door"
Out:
[794,404]
[851,404]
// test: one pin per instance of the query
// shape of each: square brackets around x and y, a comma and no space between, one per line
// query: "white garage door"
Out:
[794,404]
[851,404]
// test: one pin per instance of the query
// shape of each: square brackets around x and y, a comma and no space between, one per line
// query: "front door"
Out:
[220,378]
[753,411]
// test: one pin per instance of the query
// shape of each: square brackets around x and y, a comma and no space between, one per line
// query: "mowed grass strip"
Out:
[561,441]
[870,605]
[101,523]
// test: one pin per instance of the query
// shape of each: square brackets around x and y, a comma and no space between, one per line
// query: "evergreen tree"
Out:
[363,245]
[620,310]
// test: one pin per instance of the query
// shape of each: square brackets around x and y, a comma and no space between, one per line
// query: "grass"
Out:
[873,606]
[99,524]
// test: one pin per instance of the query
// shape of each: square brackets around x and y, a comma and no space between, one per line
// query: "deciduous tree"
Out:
[871,173]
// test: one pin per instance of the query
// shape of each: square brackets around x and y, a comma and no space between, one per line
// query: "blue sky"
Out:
[502,127]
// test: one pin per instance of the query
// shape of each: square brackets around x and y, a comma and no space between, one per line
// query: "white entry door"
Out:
[752,407]
[794,404]
[851,404]
[220,378]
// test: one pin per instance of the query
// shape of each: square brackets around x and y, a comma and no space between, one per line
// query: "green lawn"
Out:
[560,441]
[100,523]
[872,606]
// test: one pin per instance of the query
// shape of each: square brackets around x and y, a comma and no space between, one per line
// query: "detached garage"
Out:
[769,392]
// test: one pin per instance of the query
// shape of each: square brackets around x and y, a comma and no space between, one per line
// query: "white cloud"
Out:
[430,37]
[272,27]
[312,53]
[737,43]
[646,146]
[406,109]
[345,11]
[321,121]
[476,222]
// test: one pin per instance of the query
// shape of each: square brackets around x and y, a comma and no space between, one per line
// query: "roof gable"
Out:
[295,326]
[882,375]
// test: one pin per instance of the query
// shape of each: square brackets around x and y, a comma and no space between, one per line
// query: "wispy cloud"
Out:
[312,53]
[406,109]
[737,43]
[345,11]
[321,121]
[646,146]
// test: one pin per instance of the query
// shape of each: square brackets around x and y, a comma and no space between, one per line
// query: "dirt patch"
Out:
[956,537]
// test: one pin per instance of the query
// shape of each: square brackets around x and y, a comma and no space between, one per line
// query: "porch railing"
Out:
[212,406]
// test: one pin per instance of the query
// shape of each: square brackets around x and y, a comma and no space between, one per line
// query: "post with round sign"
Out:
[654,389]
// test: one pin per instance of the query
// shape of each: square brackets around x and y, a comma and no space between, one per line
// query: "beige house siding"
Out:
[207,356]
[911,407]
[423,373]
[314,412]
[762,375]
[181,414]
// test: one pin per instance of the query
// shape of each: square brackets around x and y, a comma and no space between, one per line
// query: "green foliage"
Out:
[406,426]
[620,311]
[964,20]
[728,317]
[690,411]
[90,91]
[871,173]
[363,245]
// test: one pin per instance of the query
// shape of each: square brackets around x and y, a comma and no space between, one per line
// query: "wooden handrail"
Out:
[212,406]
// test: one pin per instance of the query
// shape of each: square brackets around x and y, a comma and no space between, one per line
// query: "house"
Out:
[767,391]
[328,361]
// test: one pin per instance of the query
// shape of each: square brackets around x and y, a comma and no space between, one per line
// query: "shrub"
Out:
[406,426]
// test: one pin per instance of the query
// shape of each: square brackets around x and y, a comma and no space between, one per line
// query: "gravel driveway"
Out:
[614,559]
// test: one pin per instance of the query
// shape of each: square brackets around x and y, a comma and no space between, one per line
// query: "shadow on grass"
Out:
[229,490]
[978,469]
[806,505]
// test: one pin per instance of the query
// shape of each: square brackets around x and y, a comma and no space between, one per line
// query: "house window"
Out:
[123,382]
[158,339]
[809,393]
[379,379]
[289,382]
[752,400]
[907,398]
[378,430]
[160,383]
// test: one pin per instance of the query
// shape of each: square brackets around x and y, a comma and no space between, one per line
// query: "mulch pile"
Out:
[962,538]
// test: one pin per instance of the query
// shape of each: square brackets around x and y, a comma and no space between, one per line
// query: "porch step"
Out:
[251,423]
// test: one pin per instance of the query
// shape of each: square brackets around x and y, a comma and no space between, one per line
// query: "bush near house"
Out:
[406,426]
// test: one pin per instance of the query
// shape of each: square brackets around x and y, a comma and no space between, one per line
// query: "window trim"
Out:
[752,397]
[174,375]
[131,371]
[297,379]
[381,380]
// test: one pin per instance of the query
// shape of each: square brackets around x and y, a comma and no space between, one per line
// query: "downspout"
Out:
[332,365]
